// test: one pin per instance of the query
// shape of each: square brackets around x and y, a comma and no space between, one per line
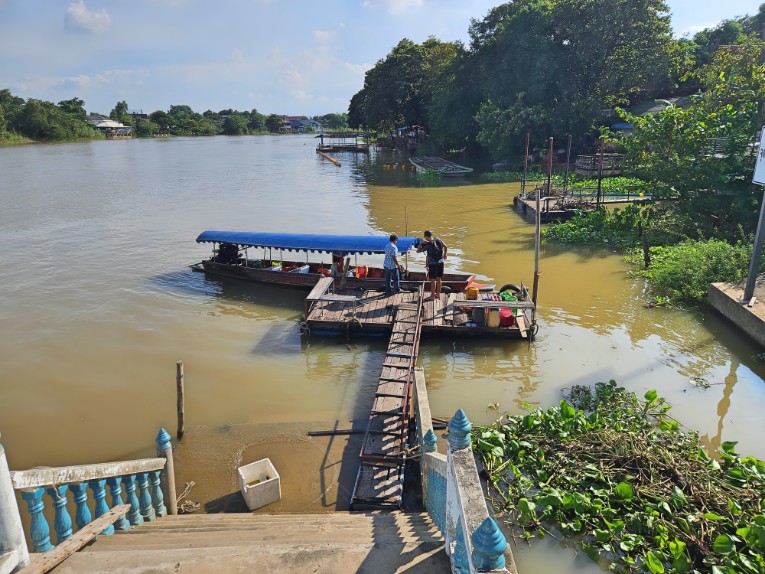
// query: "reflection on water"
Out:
[101,303]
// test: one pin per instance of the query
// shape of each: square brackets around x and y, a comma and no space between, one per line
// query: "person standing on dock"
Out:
[392,267]
[435,250]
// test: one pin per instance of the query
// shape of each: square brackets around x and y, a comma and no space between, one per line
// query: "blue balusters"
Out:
[163,440]
[144,498]
[489,545]
[157,498]
[39,530]
[80,496]
[62,522]
[134,515]
[115,490]
[430,442]
[460,557]
[459,431]
[100,506]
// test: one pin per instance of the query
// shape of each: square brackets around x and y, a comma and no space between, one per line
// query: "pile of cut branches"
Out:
[621,480]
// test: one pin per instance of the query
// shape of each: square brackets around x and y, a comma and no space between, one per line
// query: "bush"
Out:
[616,229]
[681,274]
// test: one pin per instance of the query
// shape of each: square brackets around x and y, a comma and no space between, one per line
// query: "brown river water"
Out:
[97,303]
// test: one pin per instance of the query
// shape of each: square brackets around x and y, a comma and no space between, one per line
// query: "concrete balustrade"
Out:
[142,481]
[453,496]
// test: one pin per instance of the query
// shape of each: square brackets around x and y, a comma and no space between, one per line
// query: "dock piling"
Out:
[181,399]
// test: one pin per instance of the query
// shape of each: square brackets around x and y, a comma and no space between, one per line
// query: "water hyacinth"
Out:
[624,483]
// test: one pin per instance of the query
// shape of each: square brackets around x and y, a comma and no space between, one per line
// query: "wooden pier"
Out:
[380,481]
[351,311]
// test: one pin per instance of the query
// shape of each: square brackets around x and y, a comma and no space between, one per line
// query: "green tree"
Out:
[702,156]
[10,109]
[120,113]
[257,121]
[235,124]
[145,128]
[75,106]
[162,120]
[273,123]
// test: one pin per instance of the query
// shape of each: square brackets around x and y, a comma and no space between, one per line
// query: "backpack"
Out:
[438,251]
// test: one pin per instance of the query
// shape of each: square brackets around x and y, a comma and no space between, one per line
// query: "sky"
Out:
[293,57]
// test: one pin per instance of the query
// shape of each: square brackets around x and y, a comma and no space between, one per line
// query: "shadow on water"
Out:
[205,286]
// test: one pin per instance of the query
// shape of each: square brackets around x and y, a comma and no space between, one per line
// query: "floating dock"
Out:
[380,480]
[442,166]
[351,311]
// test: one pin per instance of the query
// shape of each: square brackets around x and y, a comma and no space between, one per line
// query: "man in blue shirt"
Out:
[392,267]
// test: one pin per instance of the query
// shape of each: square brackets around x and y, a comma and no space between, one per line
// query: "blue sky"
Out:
[296,57]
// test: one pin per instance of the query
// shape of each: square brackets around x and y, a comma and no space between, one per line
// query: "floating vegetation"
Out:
[429,176]
[625,484]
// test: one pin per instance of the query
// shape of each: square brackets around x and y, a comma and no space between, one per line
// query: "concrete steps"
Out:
[336,542]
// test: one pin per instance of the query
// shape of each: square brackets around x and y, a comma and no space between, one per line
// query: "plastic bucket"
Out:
[506,318]
[472,293]
[492,318]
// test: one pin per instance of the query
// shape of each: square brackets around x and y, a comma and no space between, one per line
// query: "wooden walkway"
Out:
[370,312]
[380,481]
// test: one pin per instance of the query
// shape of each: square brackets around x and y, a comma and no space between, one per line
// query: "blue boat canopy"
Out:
[342,244]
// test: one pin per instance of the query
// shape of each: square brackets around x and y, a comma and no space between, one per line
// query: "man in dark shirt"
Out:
[436,253]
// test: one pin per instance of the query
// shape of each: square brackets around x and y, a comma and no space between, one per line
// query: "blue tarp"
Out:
[343,244]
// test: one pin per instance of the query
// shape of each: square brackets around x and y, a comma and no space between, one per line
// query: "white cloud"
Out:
[80,19]
[323,37]
[395,7]
[695,29]
[357,69]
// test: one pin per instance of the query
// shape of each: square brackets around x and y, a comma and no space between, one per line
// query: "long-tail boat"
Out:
[292,259]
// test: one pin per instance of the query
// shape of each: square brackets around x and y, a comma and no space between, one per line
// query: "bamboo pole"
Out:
[330,158]
[600,169]
[181,399]
[538,233]
[525,165]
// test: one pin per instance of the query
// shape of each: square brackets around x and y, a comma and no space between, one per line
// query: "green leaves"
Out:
[624,491]
[634,492]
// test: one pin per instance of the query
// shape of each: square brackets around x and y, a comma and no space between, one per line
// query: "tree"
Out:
[257,121]
[702,156]
[273,123]
[10,108]
[398,90]
[75,106]
[120,113]
[145,128]
[235,124]
[162,120]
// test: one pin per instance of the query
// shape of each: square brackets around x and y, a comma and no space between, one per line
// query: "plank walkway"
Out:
[380,481]
[371,312]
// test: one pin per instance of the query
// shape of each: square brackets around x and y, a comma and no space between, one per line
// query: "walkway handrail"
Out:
[46,476]
[143,481]
[453,495]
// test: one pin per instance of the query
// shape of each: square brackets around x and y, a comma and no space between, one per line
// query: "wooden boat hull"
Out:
[455,281]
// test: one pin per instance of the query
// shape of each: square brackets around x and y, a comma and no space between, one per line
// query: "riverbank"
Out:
[747,316]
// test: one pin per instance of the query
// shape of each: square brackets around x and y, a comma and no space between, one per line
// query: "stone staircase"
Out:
[339,542]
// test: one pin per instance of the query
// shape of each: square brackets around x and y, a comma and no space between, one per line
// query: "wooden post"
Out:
[525,164]
[600,170]
[568,161]
[11,532]
[181,407]
[165,450]
[538,231]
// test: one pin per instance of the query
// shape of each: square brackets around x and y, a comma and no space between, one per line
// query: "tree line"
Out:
[540,66]
[45,121]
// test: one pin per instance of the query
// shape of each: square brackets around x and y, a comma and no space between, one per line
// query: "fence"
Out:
[142,481]
[453,496]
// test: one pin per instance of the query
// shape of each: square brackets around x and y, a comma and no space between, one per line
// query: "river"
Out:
[97,302]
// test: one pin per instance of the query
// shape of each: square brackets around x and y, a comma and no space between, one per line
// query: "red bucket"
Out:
[506,318]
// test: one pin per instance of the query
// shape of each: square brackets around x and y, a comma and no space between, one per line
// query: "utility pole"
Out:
[754,264]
